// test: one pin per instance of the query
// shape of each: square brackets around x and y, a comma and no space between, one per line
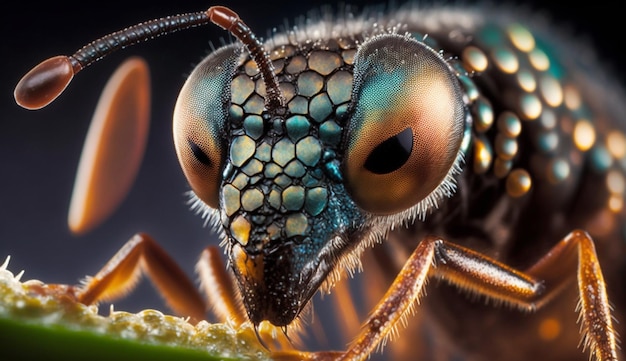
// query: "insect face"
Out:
[296,191]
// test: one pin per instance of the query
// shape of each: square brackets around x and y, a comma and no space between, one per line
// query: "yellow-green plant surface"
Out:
[36,325]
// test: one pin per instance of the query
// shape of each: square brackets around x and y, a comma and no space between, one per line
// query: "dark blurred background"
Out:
[39,150]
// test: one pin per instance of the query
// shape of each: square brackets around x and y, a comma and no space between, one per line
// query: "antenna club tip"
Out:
[223,16]
[45,82]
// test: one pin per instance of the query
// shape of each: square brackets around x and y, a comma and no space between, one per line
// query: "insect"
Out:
[312,152]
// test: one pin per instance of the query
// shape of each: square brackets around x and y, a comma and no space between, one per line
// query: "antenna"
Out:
[229,20]
[46,81]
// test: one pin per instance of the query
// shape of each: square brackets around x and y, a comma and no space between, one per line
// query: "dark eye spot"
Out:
[391,154]
[199,154]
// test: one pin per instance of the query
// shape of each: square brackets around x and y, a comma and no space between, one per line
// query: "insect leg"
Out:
[401,295]
[345,307]
[465,269]
[218,287]
[576,253]
[141,254]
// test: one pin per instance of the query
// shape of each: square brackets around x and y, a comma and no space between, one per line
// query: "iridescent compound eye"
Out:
[199,118]
[408,122]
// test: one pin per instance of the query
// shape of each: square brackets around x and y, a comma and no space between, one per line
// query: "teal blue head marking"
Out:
[281,225]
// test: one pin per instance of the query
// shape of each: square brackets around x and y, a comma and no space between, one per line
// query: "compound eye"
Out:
[391,154]
[407,124]
[199,123]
